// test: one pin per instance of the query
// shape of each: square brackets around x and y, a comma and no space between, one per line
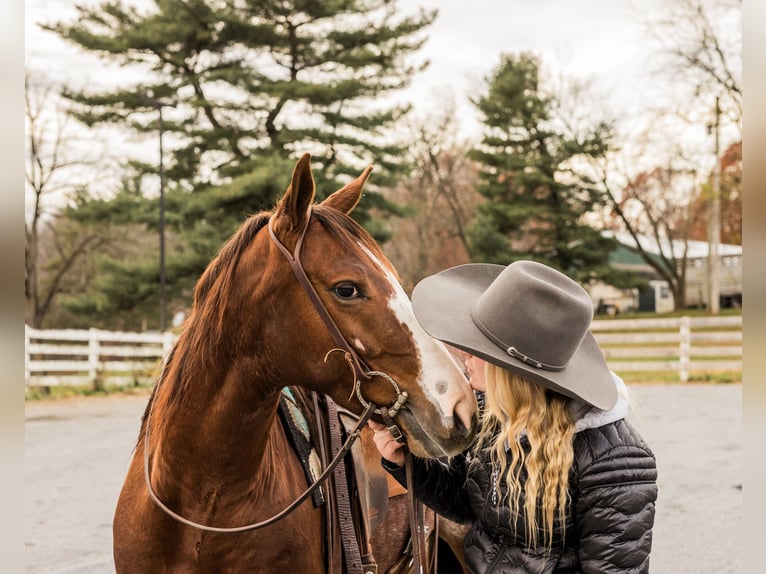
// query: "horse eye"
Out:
[347,290]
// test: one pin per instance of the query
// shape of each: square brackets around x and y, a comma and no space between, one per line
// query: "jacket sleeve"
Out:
[614,508]
[438,485]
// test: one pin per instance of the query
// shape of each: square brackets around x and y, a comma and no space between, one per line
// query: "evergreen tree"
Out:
[241,87]
[536,199]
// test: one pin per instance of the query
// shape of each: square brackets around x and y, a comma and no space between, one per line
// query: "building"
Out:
[657,295]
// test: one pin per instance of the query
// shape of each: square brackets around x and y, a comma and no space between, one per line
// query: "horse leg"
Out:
[392,535]
[451,536]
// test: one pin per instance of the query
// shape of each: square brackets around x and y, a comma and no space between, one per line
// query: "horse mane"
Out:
[204,329]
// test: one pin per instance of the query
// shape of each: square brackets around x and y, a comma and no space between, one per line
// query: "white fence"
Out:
[93,357]
[680,344]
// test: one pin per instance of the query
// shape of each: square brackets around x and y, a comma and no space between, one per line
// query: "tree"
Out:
[242,86]
[699,48]
[731,200]
[125,290]
[246,78]
[52,249]
[440,199]
[536,196]
[657,210]
[656,184]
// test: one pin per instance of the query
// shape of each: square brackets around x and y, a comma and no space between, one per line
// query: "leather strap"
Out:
[294,259]
[332,558]
[351,554]
[417,523]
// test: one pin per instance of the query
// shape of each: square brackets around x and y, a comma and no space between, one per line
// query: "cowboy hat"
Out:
[526,317]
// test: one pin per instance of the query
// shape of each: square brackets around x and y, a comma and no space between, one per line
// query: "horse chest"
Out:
[269,550]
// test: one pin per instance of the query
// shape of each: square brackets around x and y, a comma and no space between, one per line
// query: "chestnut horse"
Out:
[212,454]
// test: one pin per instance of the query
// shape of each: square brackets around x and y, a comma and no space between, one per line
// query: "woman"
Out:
[557,480]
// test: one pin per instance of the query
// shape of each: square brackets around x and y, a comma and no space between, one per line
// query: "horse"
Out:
[299,297]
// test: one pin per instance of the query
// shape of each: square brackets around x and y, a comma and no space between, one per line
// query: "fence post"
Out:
[684,349]
[27,357]
[93,357]
[167,343]
[168,340]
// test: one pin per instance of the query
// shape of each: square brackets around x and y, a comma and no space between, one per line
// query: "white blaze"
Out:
[439,369]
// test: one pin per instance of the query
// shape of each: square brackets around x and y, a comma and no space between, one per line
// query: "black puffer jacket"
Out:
[609,523]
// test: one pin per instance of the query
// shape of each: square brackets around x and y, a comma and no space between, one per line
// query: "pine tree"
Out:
[244,85]
[536,200]
[247,77]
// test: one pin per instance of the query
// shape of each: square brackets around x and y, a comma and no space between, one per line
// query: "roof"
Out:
[695,249]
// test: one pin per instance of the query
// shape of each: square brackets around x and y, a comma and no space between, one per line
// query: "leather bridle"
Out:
[362,371]
[358,366]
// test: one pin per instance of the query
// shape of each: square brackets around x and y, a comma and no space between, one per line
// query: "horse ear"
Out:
[297,200]
[346,198]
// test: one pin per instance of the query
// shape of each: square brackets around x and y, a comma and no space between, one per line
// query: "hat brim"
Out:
[442,304]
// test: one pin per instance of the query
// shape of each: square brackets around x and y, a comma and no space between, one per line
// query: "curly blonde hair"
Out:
[516,406]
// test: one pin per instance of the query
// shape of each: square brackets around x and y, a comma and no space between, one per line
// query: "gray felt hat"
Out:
[526,317]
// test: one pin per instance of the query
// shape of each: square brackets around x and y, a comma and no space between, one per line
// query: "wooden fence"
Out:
[92,357]
[95,358]
[680,344]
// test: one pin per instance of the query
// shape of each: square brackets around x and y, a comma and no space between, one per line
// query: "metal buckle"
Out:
[395,432]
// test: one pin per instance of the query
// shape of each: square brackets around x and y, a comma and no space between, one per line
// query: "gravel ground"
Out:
[78,450]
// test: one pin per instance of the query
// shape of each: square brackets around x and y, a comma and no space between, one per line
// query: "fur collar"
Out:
[589,417]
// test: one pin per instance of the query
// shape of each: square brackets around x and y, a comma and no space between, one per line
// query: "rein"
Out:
[353,435]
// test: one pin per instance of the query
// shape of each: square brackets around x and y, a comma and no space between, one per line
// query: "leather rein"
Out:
[360,370]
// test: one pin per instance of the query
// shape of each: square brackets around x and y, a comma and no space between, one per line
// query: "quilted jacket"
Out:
[609,521]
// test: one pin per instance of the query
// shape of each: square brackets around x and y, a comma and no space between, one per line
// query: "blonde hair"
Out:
[516,406]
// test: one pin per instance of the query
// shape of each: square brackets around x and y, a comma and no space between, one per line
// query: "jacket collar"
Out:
[589,417]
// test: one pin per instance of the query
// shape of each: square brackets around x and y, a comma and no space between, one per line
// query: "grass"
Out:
[713,377]
[728,312]
[64,391]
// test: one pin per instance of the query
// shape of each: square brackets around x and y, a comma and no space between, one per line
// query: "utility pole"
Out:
[714,230]
[159,104]
[163,301]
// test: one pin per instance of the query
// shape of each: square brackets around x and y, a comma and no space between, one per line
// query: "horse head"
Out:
[360,290]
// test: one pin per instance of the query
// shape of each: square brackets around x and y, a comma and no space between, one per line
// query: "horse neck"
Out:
[209,419]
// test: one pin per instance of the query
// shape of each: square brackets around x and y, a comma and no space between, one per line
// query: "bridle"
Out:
[358,366]
[360,370]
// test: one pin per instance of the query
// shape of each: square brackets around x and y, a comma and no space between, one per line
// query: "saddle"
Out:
[358,501]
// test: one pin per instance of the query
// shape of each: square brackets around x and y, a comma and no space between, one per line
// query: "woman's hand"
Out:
[389,447]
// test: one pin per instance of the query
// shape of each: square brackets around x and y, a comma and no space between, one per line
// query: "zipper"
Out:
[495,476]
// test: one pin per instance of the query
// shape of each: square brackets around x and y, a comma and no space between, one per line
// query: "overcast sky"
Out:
[596,40]
[587,39]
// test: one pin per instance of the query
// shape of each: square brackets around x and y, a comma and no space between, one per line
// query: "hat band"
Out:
[513,351]
[516,354]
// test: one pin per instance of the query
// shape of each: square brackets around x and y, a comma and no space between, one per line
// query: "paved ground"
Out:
[77,452]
